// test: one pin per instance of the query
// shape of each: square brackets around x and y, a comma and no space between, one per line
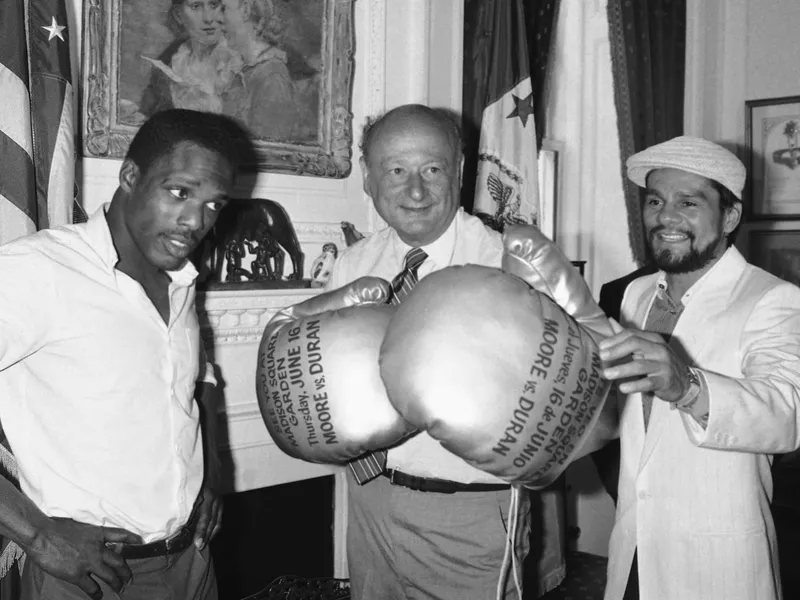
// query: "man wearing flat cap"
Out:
[708,374]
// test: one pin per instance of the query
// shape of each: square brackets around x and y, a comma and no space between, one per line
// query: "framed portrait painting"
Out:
[776,251]
[283,68]
[773,145]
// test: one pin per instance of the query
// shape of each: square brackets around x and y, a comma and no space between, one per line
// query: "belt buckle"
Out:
[391,476]
[168,546]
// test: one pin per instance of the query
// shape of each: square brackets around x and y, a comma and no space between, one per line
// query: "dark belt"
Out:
[178,542]
[440,486]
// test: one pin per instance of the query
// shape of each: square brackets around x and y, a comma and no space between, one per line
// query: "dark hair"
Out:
[448,122]
[162,132]
[726,202]
[174,24]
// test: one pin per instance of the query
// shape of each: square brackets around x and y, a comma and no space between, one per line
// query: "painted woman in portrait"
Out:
[197,68]
[263,93]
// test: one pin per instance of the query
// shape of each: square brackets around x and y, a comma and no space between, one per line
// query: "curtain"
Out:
[540,24]
[648,48]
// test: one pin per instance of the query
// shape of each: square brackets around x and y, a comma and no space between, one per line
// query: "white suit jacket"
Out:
[694,503]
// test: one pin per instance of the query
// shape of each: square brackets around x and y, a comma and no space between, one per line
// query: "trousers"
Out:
[187,575]
[411,545]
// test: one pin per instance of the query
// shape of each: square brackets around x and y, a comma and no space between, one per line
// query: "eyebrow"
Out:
[182,178]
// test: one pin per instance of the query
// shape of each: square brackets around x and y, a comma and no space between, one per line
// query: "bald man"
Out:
[425,524]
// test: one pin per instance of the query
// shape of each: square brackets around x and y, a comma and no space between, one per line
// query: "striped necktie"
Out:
[370,465]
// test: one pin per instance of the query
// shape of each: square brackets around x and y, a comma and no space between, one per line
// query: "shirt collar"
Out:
[99,235]
[440,251]
[697,285]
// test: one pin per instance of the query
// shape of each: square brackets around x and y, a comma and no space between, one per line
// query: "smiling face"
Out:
[202,20]
[412,172]
[169,208]
[685,225]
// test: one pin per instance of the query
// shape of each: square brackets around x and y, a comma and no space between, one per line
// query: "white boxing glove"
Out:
[317,379]
[495,371]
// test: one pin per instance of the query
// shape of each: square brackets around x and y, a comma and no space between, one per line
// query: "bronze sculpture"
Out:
[252,227]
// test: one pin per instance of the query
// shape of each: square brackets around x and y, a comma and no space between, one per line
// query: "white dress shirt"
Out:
[466,241]
[96,390]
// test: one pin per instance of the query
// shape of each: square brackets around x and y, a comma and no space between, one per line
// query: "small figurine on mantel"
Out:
[268,262]
[234,253]
[323,265]
[259,230]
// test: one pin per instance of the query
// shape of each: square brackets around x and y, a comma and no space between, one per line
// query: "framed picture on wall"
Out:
[283,69]
[776,251]
[773,148]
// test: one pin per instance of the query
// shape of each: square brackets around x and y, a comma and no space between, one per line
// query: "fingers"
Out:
[615,326]
[633,369]
[90,587]
[628,342]
[216,520]
[115,534]
[209,522]
[203,525]
[109,576]
[118,564]
[641,385]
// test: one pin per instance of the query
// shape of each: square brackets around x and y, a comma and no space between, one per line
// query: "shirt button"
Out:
[642,495]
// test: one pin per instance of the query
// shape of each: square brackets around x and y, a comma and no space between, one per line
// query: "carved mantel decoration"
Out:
[240,316]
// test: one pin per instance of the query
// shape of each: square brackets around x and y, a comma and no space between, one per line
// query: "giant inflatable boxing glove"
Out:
[534,258]
[497,372]
[317,379]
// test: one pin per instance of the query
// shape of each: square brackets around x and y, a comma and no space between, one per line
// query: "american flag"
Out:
[37,151]
[507,185]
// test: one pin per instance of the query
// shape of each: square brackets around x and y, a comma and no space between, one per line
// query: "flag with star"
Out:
[507,187]
[37,151]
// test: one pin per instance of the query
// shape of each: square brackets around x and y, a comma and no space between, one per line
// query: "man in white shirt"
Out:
[102,383]
[430,526]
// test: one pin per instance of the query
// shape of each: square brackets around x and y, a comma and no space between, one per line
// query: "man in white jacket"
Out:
[709,388]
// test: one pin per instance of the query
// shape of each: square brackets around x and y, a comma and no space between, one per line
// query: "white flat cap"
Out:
[691,154]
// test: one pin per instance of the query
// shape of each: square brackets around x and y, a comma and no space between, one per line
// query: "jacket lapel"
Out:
[709,295]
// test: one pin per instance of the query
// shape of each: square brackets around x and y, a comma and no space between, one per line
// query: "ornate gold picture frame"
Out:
[284,69]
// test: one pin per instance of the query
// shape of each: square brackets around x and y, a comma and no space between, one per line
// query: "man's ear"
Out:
[128,175]
[364,176]
[732,217]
